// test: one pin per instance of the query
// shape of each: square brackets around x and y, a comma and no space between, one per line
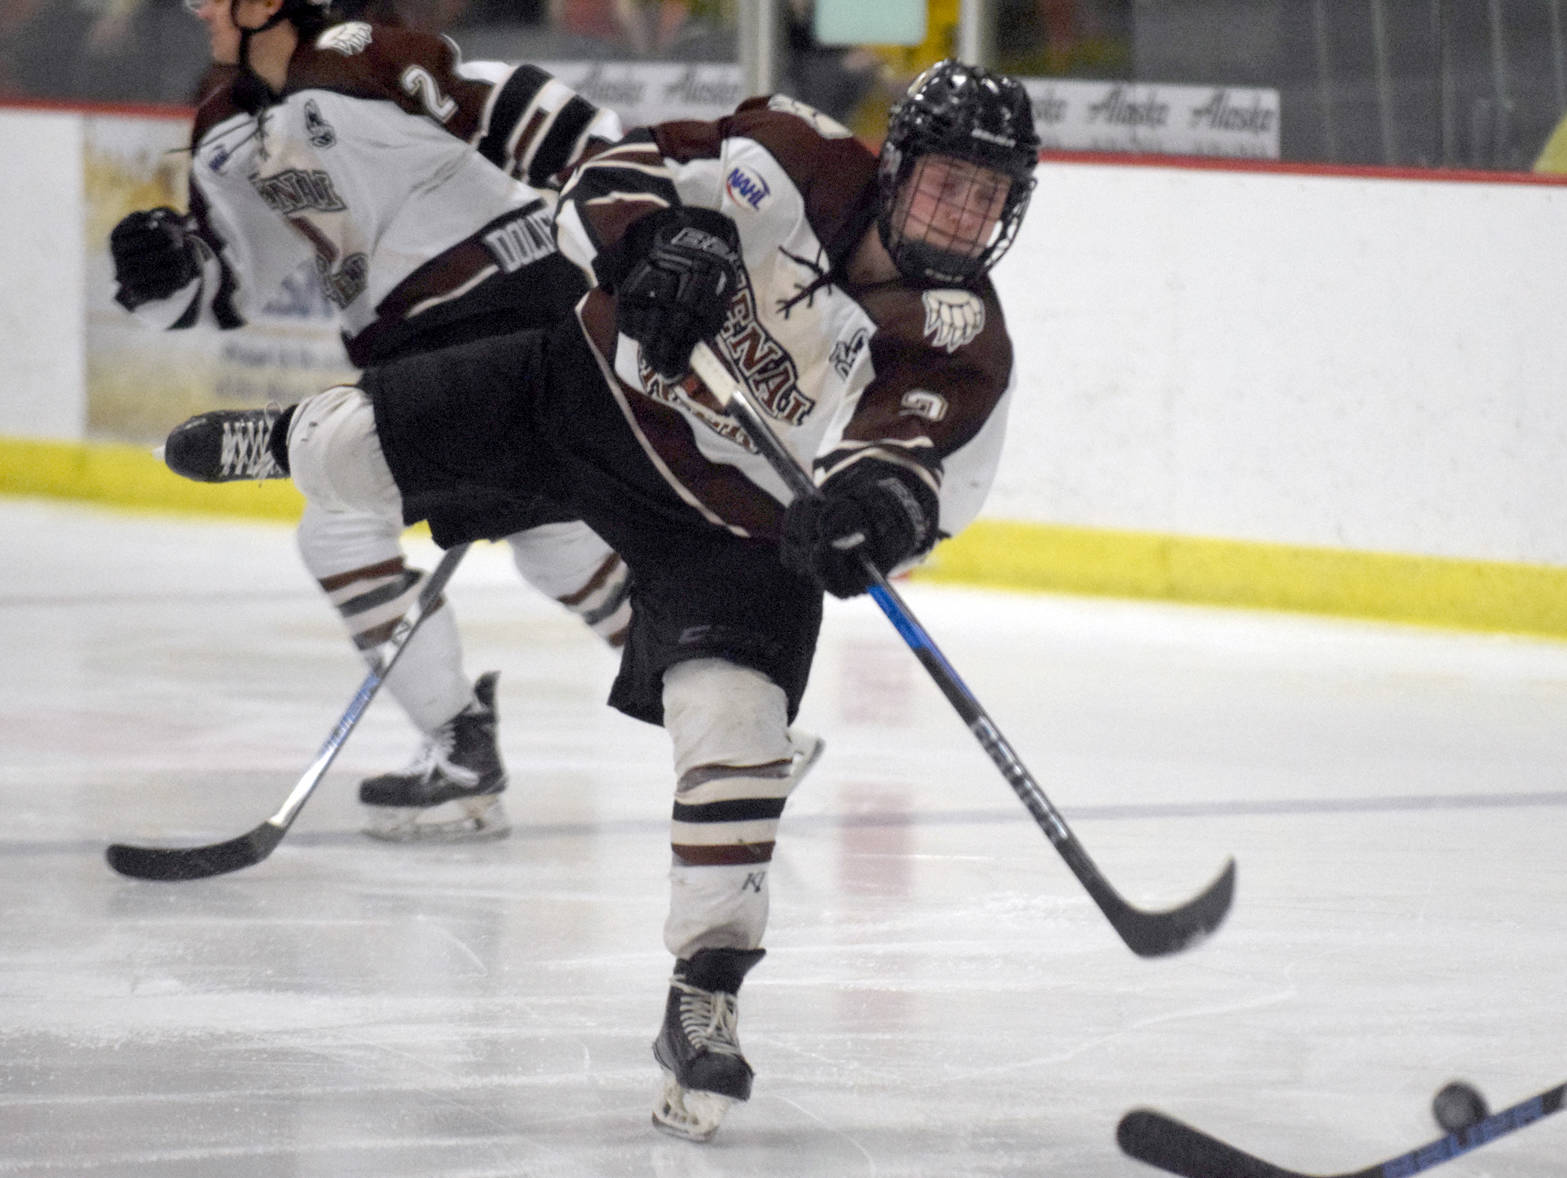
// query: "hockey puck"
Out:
[1459,1106]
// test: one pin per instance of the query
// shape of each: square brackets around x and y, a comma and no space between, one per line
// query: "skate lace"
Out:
[245,448]
[435,752]
[709,1019]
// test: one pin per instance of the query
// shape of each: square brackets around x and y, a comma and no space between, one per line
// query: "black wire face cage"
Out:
[949,219]
[980,125]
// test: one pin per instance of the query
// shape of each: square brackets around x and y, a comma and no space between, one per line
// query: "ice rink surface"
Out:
[940,999]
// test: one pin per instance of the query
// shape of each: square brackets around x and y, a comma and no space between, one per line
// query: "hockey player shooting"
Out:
[849,294]
[420,185]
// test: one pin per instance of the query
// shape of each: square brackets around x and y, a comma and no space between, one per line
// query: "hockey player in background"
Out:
[849,292]
[421,187]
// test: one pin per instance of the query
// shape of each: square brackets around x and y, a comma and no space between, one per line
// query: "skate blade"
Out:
[687,1113]
[465,820]
[808,749]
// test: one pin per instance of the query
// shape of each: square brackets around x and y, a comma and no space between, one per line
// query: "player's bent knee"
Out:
[335,456]
[721,717]
[335,542]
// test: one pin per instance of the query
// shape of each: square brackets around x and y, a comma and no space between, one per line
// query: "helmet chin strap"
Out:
[251,91]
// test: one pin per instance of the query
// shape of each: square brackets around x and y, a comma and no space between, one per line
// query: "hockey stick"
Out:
[178,863]
[1171,1145]
[1148,934]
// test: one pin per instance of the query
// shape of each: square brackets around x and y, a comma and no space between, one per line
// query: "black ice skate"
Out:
[225,446]
[699,1047]
[452,791]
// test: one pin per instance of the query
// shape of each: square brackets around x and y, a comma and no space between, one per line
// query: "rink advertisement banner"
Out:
[140,382]
[1232,121]
[642,93]
[1070,114]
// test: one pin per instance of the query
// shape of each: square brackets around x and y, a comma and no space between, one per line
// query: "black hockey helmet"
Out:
[967,113]
[307,14]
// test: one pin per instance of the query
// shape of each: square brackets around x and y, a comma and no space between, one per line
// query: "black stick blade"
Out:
[1155,934]
[1177,1148]
[180,863]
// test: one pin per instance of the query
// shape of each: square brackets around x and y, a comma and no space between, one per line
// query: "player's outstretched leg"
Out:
[699,1046]
[736,763]
[453,788]
[225,446]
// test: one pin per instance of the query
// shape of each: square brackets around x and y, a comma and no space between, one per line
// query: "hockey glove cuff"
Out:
[155,254]
[871,509]
[678,292]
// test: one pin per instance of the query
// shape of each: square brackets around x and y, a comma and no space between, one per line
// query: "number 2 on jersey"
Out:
[417,82]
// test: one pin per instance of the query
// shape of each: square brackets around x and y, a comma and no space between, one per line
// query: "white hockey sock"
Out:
[356,556]
[428,681]
[716,907]
[569,562]
[733,757]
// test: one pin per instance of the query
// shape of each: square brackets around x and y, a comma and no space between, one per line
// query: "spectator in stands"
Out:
[835,78]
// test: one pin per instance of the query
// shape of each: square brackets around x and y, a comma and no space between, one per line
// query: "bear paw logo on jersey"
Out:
[348,39]
[952,317]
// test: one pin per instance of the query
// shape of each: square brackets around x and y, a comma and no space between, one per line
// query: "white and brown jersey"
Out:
[914,376]
[411,178]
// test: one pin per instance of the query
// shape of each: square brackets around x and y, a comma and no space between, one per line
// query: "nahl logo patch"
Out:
[952,318]
[745,187]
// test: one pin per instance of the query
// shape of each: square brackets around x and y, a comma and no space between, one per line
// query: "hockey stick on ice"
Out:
[1148,934]
[178,863]
[1171,1145]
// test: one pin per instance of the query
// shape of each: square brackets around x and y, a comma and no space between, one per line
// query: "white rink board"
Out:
[1345,361]
[42,297]
[1358,363]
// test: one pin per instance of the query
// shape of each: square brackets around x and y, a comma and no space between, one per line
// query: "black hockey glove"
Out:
[154,255]
[677,292]
[871,508]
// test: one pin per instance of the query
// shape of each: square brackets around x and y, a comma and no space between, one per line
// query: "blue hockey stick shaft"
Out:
[1148,934]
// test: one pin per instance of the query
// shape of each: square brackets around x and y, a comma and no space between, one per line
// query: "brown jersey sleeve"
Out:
[520,118]
[942,361]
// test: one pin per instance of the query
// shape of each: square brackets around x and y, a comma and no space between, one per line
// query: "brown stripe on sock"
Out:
[702,774]
[595,582]
[730,856]
[386,568]
[373,637]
